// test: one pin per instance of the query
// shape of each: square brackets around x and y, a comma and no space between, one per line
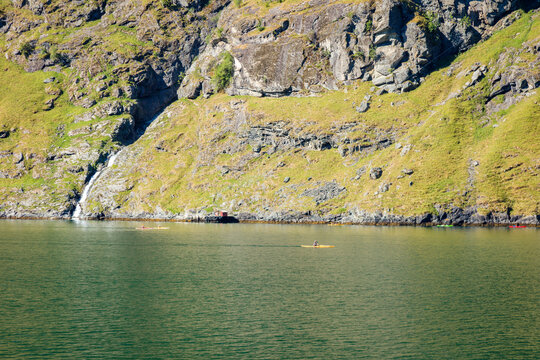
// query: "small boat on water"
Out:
[445,226]
[317,246]
[152,228]
[517,227]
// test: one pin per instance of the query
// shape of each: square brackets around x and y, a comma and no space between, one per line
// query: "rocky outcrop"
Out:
[325,44]
[325,192]
[515,76]
[131,50]
[282,136]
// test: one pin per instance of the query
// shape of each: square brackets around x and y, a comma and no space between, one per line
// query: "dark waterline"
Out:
[215,291]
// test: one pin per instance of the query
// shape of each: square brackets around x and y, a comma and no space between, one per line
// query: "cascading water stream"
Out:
[88,187]
[110,162]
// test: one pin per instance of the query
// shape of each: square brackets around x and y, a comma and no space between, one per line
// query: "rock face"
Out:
[325,192]
[118,63]
[324,44]
[131,50]
[375,173]
[513,78]
[282,136]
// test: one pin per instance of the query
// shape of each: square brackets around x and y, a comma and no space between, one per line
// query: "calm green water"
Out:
[105,290]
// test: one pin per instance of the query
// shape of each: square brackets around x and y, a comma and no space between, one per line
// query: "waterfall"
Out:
[110,162]
[88,187]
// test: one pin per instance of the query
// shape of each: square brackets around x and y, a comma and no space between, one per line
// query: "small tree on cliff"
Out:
[224,71]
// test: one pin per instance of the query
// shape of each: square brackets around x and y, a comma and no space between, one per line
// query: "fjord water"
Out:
[79,290]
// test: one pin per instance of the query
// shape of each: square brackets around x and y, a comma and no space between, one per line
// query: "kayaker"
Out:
[315,243]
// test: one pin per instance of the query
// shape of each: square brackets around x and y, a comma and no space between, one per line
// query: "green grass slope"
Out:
[42,182]
[462,154]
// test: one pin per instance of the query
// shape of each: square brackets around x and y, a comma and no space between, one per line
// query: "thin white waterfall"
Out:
[88,187]
[110,162]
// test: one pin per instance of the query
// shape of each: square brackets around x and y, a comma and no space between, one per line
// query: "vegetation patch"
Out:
[224,71]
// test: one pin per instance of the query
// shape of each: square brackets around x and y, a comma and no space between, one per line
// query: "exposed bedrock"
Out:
[118,49]
[317,45]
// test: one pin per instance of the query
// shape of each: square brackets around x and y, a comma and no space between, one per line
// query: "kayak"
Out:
[445,225]
[318,246]
[152,228]
[517,226]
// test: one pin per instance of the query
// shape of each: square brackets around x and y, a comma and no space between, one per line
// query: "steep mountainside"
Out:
[346,111]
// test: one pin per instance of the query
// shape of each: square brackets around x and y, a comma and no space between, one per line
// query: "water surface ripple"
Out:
[79,290]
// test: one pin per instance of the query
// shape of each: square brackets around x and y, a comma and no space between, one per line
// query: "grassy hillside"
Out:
[101,59]
[461,153]
[31,160]
[446,144]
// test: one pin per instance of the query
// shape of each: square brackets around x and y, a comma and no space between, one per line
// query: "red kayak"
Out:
[517,226]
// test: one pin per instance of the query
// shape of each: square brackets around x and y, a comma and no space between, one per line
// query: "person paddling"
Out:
[315,243]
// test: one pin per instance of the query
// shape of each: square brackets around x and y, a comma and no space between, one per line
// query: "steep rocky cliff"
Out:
[375,119]
[314,45]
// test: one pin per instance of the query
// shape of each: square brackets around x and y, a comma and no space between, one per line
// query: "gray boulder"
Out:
[325,192]
[407,171]
[375,173]
[364,106]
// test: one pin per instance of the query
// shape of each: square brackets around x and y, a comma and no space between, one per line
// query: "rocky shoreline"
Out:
[456,217]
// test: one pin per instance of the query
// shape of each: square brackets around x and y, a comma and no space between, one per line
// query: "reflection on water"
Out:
[200,291]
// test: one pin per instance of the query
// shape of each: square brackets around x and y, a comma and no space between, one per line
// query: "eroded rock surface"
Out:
[325,44]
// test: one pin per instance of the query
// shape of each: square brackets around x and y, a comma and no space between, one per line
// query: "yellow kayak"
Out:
[318,246]
[152,228]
